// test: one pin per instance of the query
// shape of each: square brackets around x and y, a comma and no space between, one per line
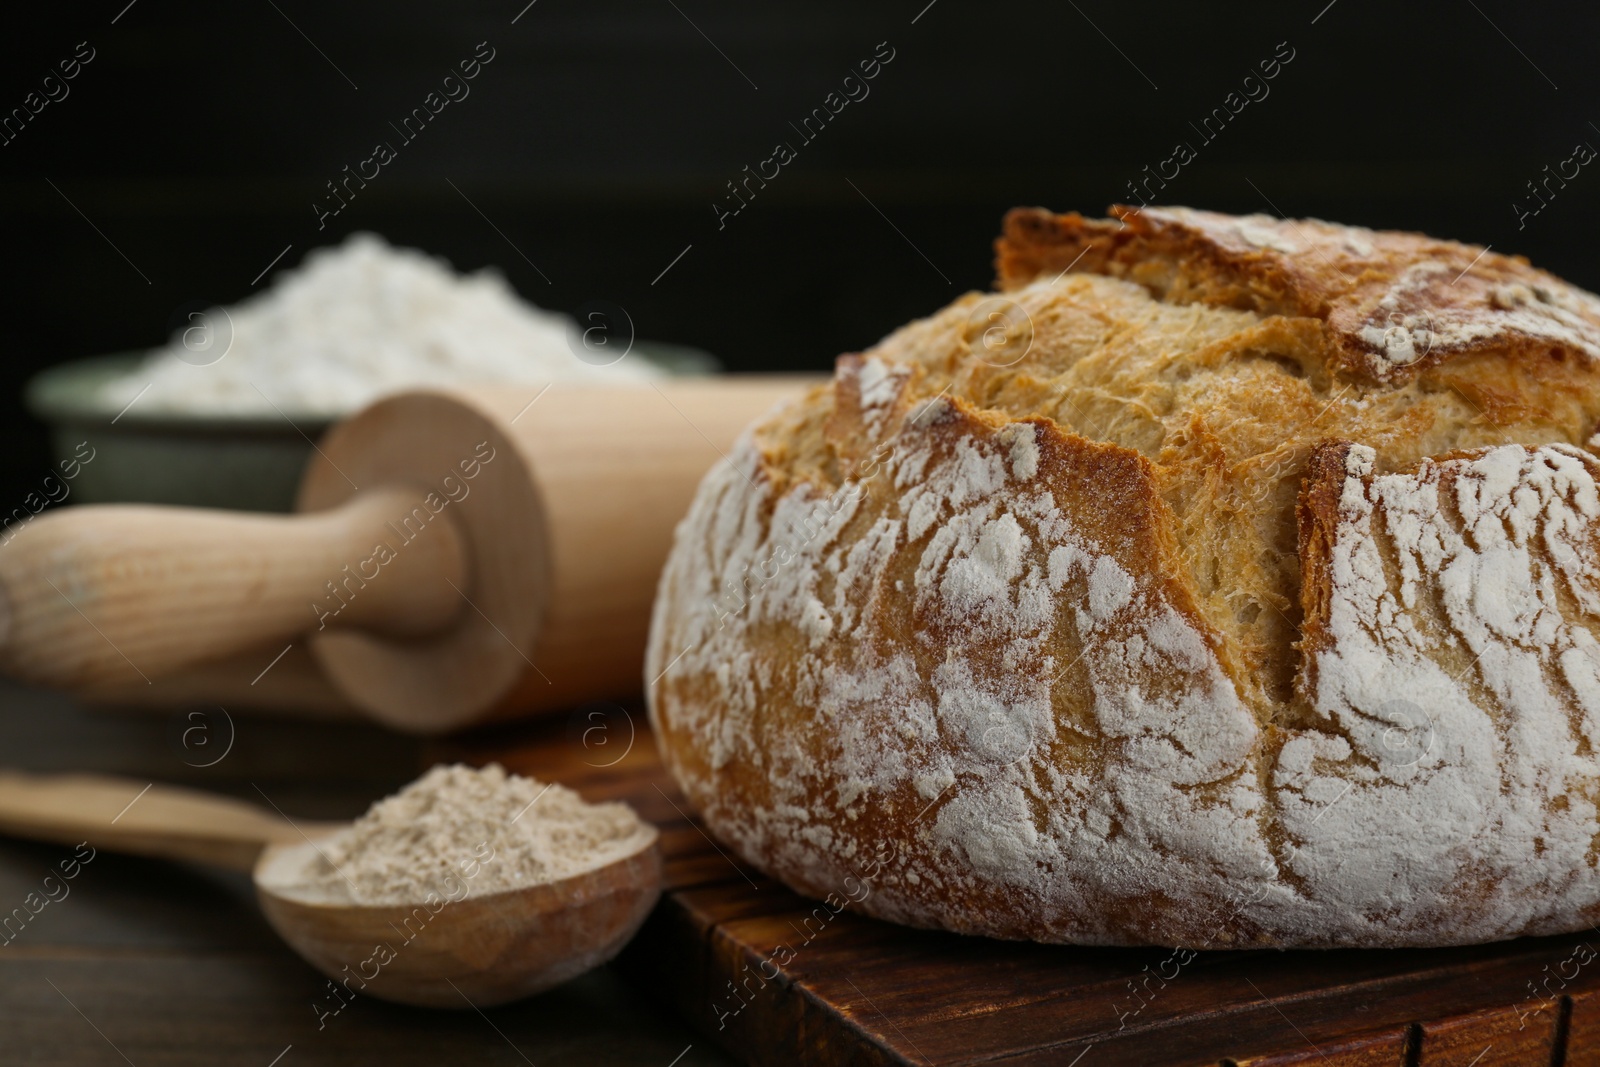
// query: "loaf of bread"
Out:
[1219,582]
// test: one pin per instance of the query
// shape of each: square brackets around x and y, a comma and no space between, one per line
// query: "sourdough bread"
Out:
[1217,582]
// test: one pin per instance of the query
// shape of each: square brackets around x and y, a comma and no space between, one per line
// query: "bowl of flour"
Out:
[225,414]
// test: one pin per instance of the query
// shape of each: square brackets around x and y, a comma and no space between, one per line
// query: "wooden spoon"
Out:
[472,952]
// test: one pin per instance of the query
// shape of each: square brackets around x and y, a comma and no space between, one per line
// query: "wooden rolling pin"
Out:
[460,555]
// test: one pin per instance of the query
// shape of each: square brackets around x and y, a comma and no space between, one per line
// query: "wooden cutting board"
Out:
[777,979]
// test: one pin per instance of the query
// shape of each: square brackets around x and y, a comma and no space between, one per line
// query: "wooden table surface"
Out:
[151,963]
[157,964]
[777,980]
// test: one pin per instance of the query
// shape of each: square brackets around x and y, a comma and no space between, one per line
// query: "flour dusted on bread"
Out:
[1450,674]
[1177,608]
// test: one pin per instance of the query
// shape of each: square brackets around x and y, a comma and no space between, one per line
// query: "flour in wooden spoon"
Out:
[463,831]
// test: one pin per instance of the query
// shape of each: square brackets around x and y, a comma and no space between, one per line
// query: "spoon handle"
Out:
[142,818]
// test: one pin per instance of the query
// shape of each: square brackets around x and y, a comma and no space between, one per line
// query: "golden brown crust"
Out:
[1392,302]
[1317,515]
[1130,607]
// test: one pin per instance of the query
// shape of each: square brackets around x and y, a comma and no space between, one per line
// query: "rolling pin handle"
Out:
[97,594]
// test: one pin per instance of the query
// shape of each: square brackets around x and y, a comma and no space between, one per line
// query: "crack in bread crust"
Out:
[1009,622]
[1392,302]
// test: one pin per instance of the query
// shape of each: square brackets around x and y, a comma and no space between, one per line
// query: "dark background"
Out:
[597,140]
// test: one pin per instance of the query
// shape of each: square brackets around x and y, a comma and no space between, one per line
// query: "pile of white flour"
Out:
[459,831]
[353,323]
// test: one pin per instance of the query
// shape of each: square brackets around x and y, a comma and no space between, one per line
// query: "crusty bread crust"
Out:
[1155,602]
[1392,302]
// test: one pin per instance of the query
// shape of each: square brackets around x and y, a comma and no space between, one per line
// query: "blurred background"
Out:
[190,151]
